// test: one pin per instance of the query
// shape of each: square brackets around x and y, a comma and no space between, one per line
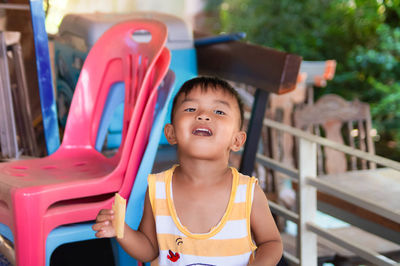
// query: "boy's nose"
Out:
[203,116]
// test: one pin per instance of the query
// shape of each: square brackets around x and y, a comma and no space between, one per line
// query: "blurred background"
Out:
[363,36]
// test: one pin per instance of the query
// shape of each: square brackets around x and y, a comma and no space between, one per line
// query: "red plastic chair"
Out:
[72,184]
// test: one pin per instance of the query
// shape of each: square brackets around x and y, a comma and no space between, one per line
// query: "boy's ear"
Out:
[170,134]
[238,140]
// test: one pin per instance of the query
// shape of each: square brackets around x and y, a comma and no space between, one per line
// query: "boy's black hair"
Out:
[205,82]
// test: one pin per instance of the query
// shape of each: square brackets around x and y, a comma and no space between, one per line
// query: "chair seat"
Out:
[49,172]
[61,178]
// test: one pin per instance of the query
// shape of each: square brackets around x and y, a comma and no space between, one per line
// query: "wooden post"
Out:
[307,203]
[254,132]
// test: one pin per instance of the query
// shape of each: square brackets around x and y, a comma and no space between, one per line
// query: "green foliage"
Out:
[377,72]
[314,29]
[363,36]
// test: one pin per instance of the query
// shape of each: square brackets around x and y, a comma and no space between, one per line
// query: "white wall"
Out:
[58,8]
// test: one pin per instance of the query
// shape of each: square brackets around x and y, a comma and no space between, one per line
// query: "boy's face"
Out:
[206,124]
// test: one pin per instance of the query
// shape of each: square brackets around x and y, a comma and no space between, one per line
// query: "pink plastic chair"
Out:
[72,184]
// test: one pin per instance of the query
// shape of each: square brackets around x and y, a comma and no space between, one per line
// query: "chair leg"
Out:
[28,230]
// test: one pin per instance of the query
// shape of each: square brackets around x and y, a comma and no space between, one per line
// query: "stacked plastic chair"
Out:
[135,205]
[75,182]
[84,231]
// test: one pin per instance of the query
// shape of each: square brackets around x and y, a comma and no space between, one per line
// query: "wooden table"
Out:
[378,190]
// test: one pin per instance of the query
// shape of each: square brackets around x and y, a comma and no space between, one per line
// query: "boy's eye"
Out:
[219,112]
[190,109]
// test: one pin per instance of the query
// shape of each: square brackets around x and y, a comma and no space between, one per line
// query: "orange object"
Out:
[76,181]
[330,68]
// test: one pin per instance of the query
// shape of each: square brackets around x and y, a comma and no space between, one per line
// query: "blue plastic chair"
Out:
[114,102]
[83,231]
[134,209]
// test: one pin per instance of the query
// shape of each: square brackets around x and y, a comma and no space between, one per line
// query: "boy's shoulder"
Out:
[245,179]
[160,176]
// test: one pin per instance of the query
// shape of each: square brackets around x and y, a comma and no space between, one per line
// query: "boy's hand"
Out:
[103,224]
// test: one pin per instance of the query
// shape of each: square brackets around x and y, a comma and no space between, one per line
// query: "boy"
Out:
[202,212]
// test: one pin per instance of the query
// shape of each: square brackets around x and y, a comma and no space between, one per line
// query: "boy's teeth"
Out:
[202,132]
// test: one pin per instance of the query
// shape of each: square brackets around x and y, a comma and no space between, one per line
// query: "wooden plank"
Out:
[284,212]
[365,238]
[307,202]
[262,67]
[331,144]
[24,115]
[358,211]
[381,186]
[275,165]
[359,217]
[14,6]
[8,131]
[361,250]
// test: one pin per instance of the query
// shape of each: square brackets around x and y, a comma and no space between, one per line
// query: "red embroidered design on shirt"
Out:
[173,256]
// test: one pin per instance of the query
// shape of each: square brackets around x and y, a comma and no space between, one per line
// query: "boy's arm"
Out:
[141,244]
[265,232]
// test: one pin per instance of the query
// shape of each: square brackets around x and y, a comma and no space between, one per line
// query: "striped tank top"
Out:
[228,243]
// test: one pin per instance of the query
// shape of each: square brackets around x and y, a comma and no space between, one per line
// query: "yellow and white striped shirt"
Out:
[228,243]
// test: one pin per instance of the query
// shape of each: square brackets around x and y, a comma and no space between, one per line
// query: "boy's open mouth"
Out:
[202,132]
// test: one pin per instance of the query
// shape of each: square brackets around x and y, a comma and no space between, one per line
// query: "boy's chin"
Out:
[206,155]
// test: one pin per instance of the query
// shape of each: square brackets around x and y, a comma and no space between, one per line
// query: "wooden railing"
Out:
[309,185]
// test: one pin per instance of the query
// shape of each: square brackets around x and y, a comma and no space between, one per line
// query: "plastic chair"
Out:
[76,181]
[83,231]
[134,209]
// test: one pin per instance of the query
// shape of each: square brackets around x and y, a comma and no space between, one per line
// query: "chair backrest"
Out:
[346,122]
[134,208]
[145,122]
[116,57]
